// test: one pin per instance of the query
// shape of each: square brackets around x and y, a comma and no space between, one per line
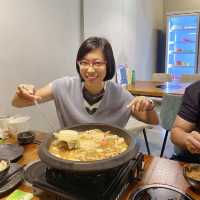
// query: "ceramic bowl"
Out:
[18,124]
[191,172]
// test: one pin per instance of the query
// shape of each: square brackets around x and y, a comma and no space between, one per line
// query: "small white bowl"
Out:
[19,124]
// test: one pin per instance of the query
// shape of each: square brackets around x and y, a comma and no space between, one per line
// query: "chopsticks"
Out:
[45,117]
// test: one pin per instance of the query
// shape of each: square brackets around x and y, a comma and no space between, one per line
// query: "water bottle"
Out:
[122,74]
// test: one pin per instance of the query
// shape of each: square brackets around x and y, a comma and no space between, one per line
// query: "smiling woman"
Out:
[90,97]
[93,67]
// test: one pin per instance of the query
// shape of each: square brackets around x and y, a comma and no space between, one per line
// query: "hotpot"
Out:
[91,167]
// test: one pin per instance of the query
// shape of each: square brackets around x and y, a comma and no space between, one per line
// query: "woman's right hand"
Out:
[27,92]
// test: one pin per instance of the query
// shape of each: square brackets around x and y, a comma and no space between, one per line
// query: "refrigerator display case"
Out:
[182,45]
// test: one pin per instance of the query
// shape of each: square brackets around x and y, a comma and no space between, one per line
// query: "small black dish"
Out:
[4,167]
[11,152]
[191,179]
[25,137]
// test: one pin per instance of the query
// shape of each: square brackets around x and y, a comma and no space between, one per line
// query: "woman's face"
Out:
[93,67]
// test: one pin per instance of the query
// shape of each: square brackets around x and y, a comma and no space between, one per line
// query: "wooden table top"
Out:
[156,89]
[156,170]
[162,171]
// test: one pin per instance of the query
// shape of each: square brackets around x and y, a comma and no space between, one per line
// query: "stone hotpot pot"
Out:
[99,166]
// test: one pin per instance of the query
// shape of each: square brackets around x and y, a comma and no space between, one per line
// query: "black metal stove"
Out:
[103,186]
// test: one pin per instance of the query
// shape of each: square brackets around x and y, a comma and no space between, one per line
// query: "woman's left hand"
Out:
[141,104]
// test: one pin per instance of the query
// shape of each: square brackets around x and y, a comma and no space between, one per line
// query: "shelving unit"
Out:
[180,66]
[182,52]
[182,44]
[183,29]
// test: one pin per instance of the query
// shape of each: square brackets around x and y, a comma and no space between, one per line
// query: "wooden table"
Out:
[151,88]
[156,170]
[162,171]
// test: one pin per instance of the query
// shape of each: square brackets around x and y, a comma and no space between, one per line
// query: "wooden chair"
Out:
[161,77]
[168,111]
[189,77]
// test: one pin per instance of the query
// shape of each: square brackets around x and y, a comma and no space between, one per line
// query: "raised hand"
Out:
[141,104]
[27,92]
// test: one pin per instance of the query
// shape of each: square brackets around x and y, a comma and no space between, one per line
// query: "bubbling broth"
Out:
[87,145]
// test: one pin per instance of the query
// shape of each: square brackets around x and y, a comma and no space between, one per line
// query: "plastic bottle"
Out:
[133,76]
[122,74]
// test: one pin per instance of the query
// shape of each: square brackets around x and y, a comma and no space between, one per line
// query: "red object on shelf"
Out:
[179,50]
[178,62]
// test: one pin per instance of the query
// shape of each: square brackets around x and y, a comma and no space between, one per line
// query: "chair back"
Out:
[169,108]
[189,77]
[161,77]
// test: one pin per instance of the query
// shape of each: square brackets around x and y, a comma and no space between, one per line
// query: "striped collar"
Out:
[91,109]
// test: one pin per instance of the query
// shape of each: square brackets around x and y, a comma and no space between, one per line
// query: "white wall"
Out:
[181,5]
[104,18]
[149,18]
[130,27]
[39,40]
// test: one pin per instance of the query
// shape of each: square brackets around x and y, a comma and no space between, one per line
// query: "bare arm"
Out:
[184,136]
[26,94]
[143,109]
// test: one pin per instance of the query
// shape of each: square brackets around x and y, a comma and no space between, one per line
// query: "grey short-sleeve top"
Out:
[69,102]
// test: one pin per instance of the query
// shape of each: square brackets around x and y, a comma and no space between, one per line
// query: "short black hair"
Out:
[93,43]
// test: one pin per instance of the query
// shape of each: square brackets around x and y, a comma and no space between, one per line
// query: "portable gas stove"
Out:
[103,186]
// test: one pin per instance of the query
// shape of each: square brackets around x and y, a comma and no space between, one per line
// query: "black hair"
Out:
[93,43]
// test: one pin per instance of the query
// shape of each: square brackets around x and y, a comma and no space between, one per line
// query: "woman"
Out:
[90,97]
